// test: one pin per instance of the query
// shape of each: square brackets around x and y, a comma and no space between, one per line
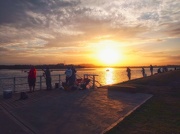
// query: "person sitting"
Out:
[86,82]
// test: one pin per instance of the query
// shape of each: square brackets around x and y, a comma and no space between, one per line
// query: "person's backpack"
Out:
[23,96]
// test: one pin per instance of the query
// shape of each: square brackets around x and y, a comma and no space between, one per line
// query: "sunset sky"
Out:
[99,32]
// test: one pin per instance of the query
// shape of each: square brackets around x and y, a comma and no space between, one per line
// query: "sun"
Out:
[109,56]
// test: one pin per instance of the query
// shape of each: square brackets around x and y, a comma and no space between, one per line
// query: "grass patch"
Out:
[160,114]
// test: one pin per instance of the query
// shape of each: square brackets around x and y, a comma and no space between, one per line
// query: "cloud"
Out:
[149,16]
[3,50]
[172,29]
[40,25]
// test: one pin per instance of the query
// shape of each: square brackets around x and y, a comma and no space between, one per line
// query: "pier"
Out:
[91,111]
[94,111]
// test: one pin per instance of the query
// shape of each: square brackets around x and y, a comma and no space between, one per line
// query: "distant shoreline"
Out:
[62,66]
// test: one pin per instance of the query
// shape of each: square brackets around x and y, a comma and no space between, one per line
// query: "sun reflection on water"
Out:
[109,76]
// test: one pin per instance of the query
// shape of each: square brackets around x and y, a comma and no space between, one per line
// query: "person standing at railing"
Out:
[73,76]
[151,69]
[32,78]
[48,78]
[143,72]
[68,74]
[128,73]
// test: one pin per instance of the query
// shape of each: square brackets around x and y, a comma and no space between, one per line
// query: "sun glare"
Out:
[109,54]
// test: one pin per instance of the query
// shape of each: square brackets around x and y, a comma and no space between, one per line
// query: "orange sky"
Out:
[120,33]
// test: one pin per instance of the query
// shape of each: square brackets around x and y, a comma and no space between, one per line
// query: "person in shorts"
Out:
[32,78]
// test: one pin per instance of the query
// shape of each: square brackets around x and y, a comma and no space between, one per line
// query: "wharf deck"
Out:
[91,111]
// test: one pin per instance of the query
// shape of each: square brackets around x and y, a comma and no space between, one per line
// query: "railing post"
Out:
[40,82]
[14,84]
[59,80]
[86,76]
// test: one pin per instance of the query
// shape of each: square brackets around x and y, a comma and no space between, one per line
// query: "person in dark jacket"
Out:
[47,73]
[73,76]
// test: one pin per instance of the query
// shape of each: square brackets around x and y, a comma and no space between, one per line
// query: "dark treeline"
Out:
[57,66]
[62,66]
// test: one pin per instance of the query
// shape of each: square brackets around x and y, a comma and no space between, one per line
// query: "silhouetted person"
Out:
[159,70]
[73,76]
[151,69]
[143,72]
[48,78]
[165,69]
[128,73]
[32,78]
[68,73]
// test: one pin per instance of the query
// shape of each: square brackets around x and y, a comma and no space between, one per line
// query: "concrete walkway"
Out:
[67,112]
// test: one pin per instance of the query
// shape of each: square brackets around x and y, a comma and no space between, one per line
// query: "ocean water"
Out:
[105,76]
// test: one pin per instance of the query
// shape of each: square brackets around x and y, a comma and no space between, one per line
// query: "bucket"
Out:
[7,94]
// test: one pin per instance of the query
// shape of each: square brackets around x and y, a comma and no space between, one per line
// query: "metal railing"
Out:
[92,77]
[15,83]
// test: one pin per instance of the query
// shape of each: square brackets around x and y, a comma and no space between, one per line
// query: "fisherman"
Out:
[128,72]
[48,78]
[32,78]
[68,73]
[143,72]
[151,69]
